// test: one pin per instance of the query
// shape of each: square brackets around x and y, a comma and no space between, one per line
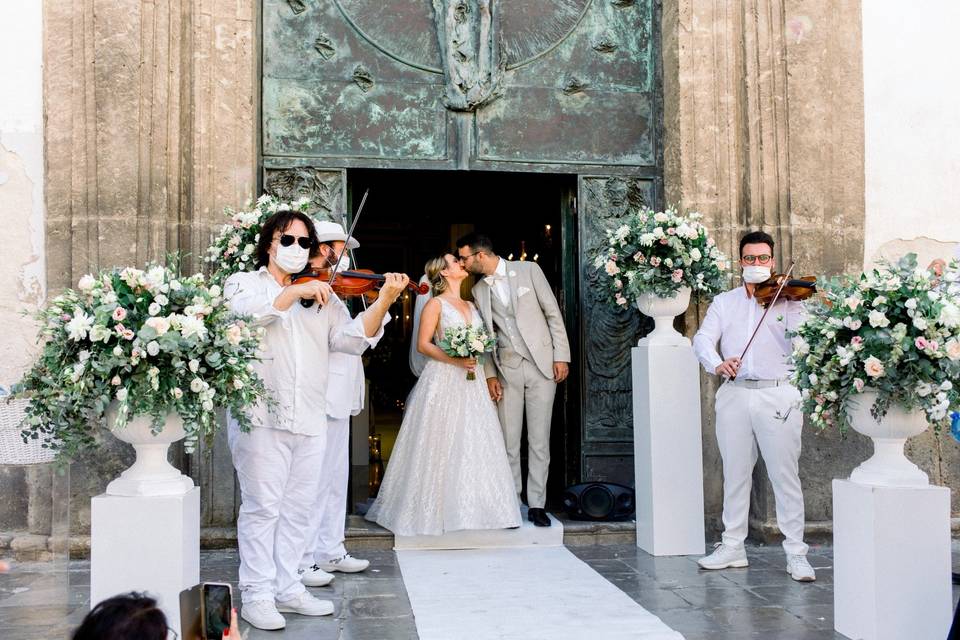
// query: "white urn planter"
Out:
[151,474]
[888,467]
[663,311]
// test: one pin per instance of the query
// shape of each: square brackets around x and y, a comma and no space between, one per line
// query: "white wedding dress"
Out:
[448,470]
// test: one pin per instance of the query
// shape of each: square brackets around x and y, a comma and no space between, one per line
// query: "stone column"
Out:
[150,111]
[763,129]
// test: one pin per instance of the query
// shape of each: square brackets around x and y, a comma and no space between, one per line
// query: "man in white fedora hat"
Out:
[345,392]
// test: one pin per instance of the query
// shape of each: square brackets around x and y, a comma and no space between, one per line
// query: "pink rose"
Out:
[119,314]
[858,385]
[654,261]
[856,340]
[933,345]
[920,343]
[663,241]
[677,275]
[671,231]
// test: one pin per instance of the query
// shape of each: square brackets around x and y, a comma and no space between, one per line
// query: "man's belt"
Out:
[758,384]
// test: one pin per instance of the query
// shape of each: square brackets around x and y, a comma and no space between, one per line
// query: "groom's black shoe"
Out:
[538,517]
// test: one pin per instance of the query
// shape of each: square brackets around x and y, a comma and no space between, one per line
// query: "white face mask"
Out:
[344,263]
[292,259]
[755,274]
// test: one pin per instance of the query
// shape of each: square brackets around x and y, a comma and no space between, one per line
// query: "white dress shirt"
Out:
[730,321]
[498,281]
[294,362]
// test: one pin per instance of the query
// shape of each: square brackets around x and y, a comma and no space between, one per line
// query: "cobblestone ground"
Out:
[43,600]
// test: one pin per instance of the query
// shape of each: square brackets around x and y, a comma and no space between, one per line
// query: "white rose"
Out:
[86,283]
[207,405]
[122,394]
[153,347]
[234,334]
[175,285]
[237,383]
[118,351]
[933,295]
[946,385]
[215,290]
[950,315]
[162,299]
[923,389]
[116,381]
[153,309]
[920,322]
[873,367]
[879,300]
[911,303]
[695,254]
[953,349]
[194,365]
[158,324]
[878,319]
[177,392]
[196,385]
[813,379]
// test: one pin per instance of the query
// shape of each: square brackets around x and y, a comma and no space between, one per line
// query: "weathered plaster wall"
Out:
[912,128]
[22,280]
[763,129]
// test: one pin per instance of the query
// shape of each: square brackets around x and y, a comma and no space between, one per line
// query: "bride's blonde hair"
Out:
[433,268]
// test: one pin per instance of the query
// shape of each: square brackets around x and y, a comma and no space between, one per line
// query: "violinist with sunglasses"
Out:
[279,462]
[755,407]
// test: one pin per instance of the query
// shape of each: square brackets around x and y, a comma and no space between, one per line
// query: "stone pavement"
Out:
[45,600]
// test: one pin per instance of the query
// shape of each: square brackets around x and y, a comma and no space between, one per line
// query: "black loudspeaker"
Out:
[599,501]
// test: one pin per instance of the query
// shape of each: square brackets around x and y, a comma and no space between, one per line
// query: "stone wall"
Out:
[150,110]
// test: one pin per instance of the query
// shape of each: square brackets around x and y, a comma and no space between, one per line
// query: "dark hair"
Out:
[281,221]
[755,237]
[476,242]
[131,616]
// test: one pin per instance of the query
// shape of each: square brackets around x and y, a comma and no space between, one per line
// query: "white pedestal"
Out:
[147,544]
[891,549]
[668,459]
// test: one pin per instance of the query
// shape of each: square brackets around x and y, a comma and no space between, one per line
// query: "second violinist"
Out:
[755,409]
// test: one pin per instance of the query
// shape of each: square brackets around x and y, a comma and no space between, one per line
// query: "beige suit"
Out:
[530,338]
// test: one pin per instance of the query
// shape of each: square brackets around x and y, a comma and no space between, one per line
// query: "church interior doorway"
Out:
[411,216]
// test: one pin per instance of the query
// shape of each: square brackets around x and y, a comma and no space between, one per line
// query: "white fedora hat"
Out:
[333,232]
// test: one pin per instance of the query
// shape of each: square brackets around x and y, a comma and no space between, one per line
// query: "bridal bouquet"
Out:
[467,342]
[152,342]
[232,250]
[659,252]
[895,330]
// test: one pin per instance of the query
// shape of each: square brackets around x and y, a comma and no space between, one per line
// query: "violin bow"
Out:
[336,266]
[353,259]
[776,296]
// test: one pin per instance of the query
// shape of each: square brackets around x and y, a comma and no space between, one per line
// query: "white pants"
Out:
[526,388]
[748,418]
[329,512]
[279,474]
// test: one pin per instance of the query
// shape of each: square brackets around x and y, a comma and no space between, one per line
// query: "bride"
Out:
[449,469]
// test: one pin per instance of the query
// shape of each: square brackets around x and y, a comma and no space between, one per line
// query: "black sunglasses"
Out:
[304,241]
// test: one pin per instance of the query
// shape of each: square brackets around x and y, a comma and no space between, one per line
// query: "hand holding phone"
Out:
[216,609]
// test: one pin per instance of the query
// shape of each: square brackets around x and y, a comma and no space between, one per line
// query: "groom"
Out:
[531,357]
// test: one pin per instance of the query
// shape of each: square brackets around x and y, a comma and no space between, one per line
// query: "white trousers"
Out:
[279,475]
[764,418]
[525,388]
[329,512]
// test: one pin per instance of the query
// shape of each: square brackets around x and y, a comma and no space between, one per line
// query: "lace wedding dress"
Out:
[448,470]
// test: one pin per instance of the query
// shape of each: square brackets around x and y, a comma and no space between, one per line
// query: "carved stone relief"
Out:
[469,38]
[608,334]
[323,187]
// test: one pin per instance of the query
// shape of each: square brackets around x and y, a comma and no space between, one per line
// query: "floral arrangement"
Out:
[150,341]
[233,249]
[894,329]
[466,342]
[660,252]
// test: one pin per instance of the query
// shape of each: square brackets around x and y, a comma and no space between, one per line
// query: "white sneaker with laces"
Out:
[724,557]
[262,614]
[799,569]
[306,605]
[315,577]
[346,564]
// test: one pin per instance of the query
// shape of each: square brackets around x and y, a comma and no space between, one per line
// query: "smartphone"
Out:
[216,602]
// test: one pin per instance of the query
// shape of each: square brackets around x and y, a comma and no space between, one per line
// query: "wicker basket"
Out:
[13,450]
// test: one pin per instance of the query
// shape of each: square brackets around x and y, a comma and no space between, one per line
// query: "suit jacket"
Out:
[537,313]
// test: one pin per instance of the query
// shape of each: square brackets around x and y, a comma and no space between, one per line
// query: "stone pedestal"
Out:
[891,561]
[147,544]
[668,459]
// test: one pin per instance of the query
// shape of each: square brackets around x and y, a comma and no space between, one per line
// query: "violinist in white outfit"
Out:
[345,390]
[756,408]
[279,462]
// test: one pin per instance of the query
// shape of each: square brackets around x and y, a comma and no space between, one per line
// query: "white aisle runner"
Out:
[529,593]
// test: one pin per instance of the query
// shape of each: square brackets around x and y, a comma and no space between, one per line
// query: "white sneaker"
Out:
[306,605]
[262,614]
[346,564]
[724,557]
[799,569]
[315,577]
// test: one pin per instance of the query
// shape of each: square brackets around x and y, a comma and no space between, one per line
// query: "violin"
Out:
[795,289]
[350,284]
